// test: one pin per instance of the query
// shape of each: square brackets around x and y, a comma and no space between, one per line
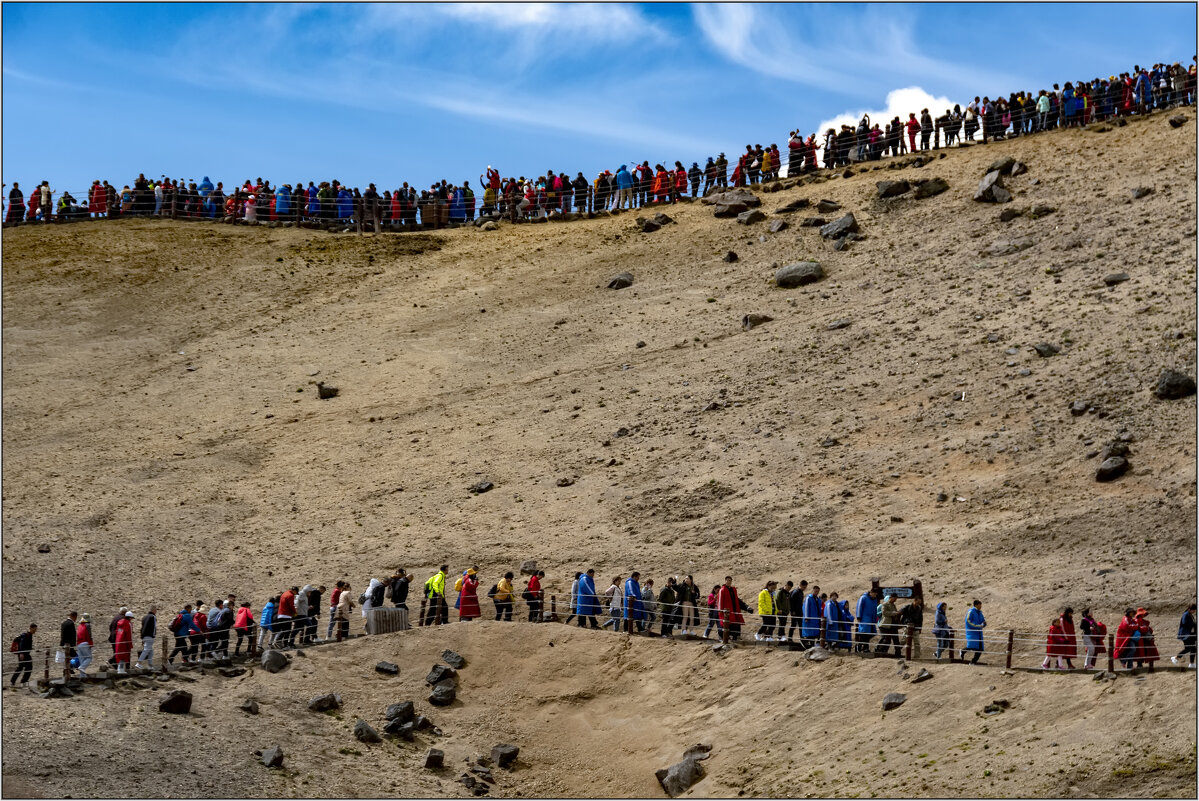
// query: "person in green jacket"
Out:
[782,608]
[436,611]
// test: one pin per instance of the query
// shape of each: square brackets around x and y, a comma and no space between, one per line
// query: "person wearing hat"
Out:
[123,645]
[83,643]
[468,601]
[1146,644]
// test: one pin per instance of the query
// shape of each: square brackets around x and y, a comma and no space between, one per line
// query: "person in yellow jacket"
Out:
[436,610]
[502,597]
[767,610]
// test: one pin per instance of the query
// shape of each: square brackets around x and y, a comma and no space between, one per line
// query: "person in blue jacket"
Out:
[941,630]
[835,625]
[205,187]
[283,201]
[587,605]
[266,622]
[345,203]
[624,187]
[458,205]
[182,626]
[314,205]
[975,623]
[809,632]
[1187,633]
[634,610]
[867,620]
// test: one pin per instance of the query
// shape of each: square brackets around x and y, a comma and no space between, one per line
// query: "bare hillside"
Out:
[163,435]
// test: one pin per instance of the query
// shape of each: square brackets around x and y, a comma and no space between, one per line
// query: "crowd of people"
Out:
[1021,113]
[788,613]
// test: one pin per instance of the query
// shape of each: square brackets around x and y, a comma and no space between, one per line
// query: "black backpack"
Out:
[495,588]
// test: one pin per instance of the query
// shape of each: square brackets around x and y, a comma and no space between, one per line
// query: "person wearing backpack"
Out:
[1186,633]
[179,627]
[22,646]
[398,591]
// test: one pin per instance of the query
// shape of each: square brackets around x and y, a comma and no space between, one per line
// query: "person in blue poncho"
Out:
[283,202]
[587,606]
[809,632]
[833,623]
[942,631]
[205,187]
[867,618]
[458,205]
[975,623]
[634,610]
[345,203]
[314,205]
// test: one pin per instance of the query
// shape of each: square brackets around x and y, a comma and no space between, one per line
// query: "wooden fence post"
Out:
[47,676]
[952,647]
[908,643]
[554,608]
[1011,635]
[822,636]
[1111,653]
[165,650]
[422,610]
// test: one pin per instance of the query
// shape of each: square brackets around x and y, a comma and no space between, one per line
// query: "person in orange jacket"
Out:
[662,183]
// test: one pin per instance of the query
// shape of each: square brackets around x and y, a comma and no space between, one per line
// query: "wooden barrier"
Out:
[385,620]
[1111,653]
[1011,636]
[423,601]
[908,643]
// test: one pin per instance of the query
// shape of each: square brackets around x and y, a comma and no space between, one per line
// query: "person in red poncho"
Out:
[1069,639]
[680,182]
[1125,645]
[1055,644]
[97,199]
[1146,645]
[913,129]
[468,602]
[729,606]
[662,184]
[123,645]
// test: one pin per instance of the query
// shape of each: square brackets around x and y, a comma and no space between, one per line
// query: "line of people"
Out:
[788,613]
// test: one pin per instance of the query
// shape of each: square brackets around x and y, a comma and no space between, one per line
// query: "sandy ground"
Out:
[466,354]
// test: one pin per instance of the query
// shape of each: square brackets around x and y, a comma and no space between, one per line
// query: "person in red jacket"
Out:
[534,596]
[1146,645]
[913,129]
[123,646]
[243,624]
[662,184]
[284,635]
[1125,645]
[468,602]
[199,637]
[97,199]
[1055,644]
[680,182]
[729,607]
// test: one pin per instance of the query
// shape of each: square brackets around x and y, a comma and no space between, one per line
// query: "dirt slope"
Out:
[466,354]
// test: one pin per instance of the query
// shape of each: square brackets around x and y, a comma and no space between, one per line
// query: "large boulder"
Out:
[272,757]
[798,274]
[504,755]
[930,187]
[404,712]
[682,775]
[324,703]
[176,702]
[366,733]
[1172,385]
[892,188]
[273,661]
[839,228]
[992,190]
[443,693]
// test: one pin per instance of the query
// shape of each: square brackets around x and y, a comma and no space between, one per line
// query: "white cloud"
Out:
[900,103]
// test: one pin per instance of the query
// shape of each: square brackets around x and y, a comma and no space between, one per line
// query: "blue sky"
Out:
[391,92]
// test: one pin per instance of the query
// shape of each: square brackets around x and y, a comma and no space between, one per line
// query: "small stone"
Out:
[1079,408]
[827,206]
[829,442]
[43,548]
[663,219]
[1177,121]
[528,567]
[565,481]
[435,759]
[1111,469]
[816,654]
[730,257]
[404,712]
[1172,385]
[488,226]
[893,701]
[923,675]
[176,702]
[891,188]
[814,222]
[798,274]
[896,519]
[930,187]
[453,658]
[751,321]
[840,244]
[444,693]
[621,281]
[1046,349]
[1002,165]
[640,344]
[1141,191]
[438,674]
[324,703]
[273,757]
[1115,278]
[479,487]
[1040,210]
[1007,215]
[249,706]
[750,217]
[647,227]
[942,497]
[365,732]
[504,756]
[390,668]
[793,206]
[680,777]
[778,225]
[231,673]
[837,325]
[405,730]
